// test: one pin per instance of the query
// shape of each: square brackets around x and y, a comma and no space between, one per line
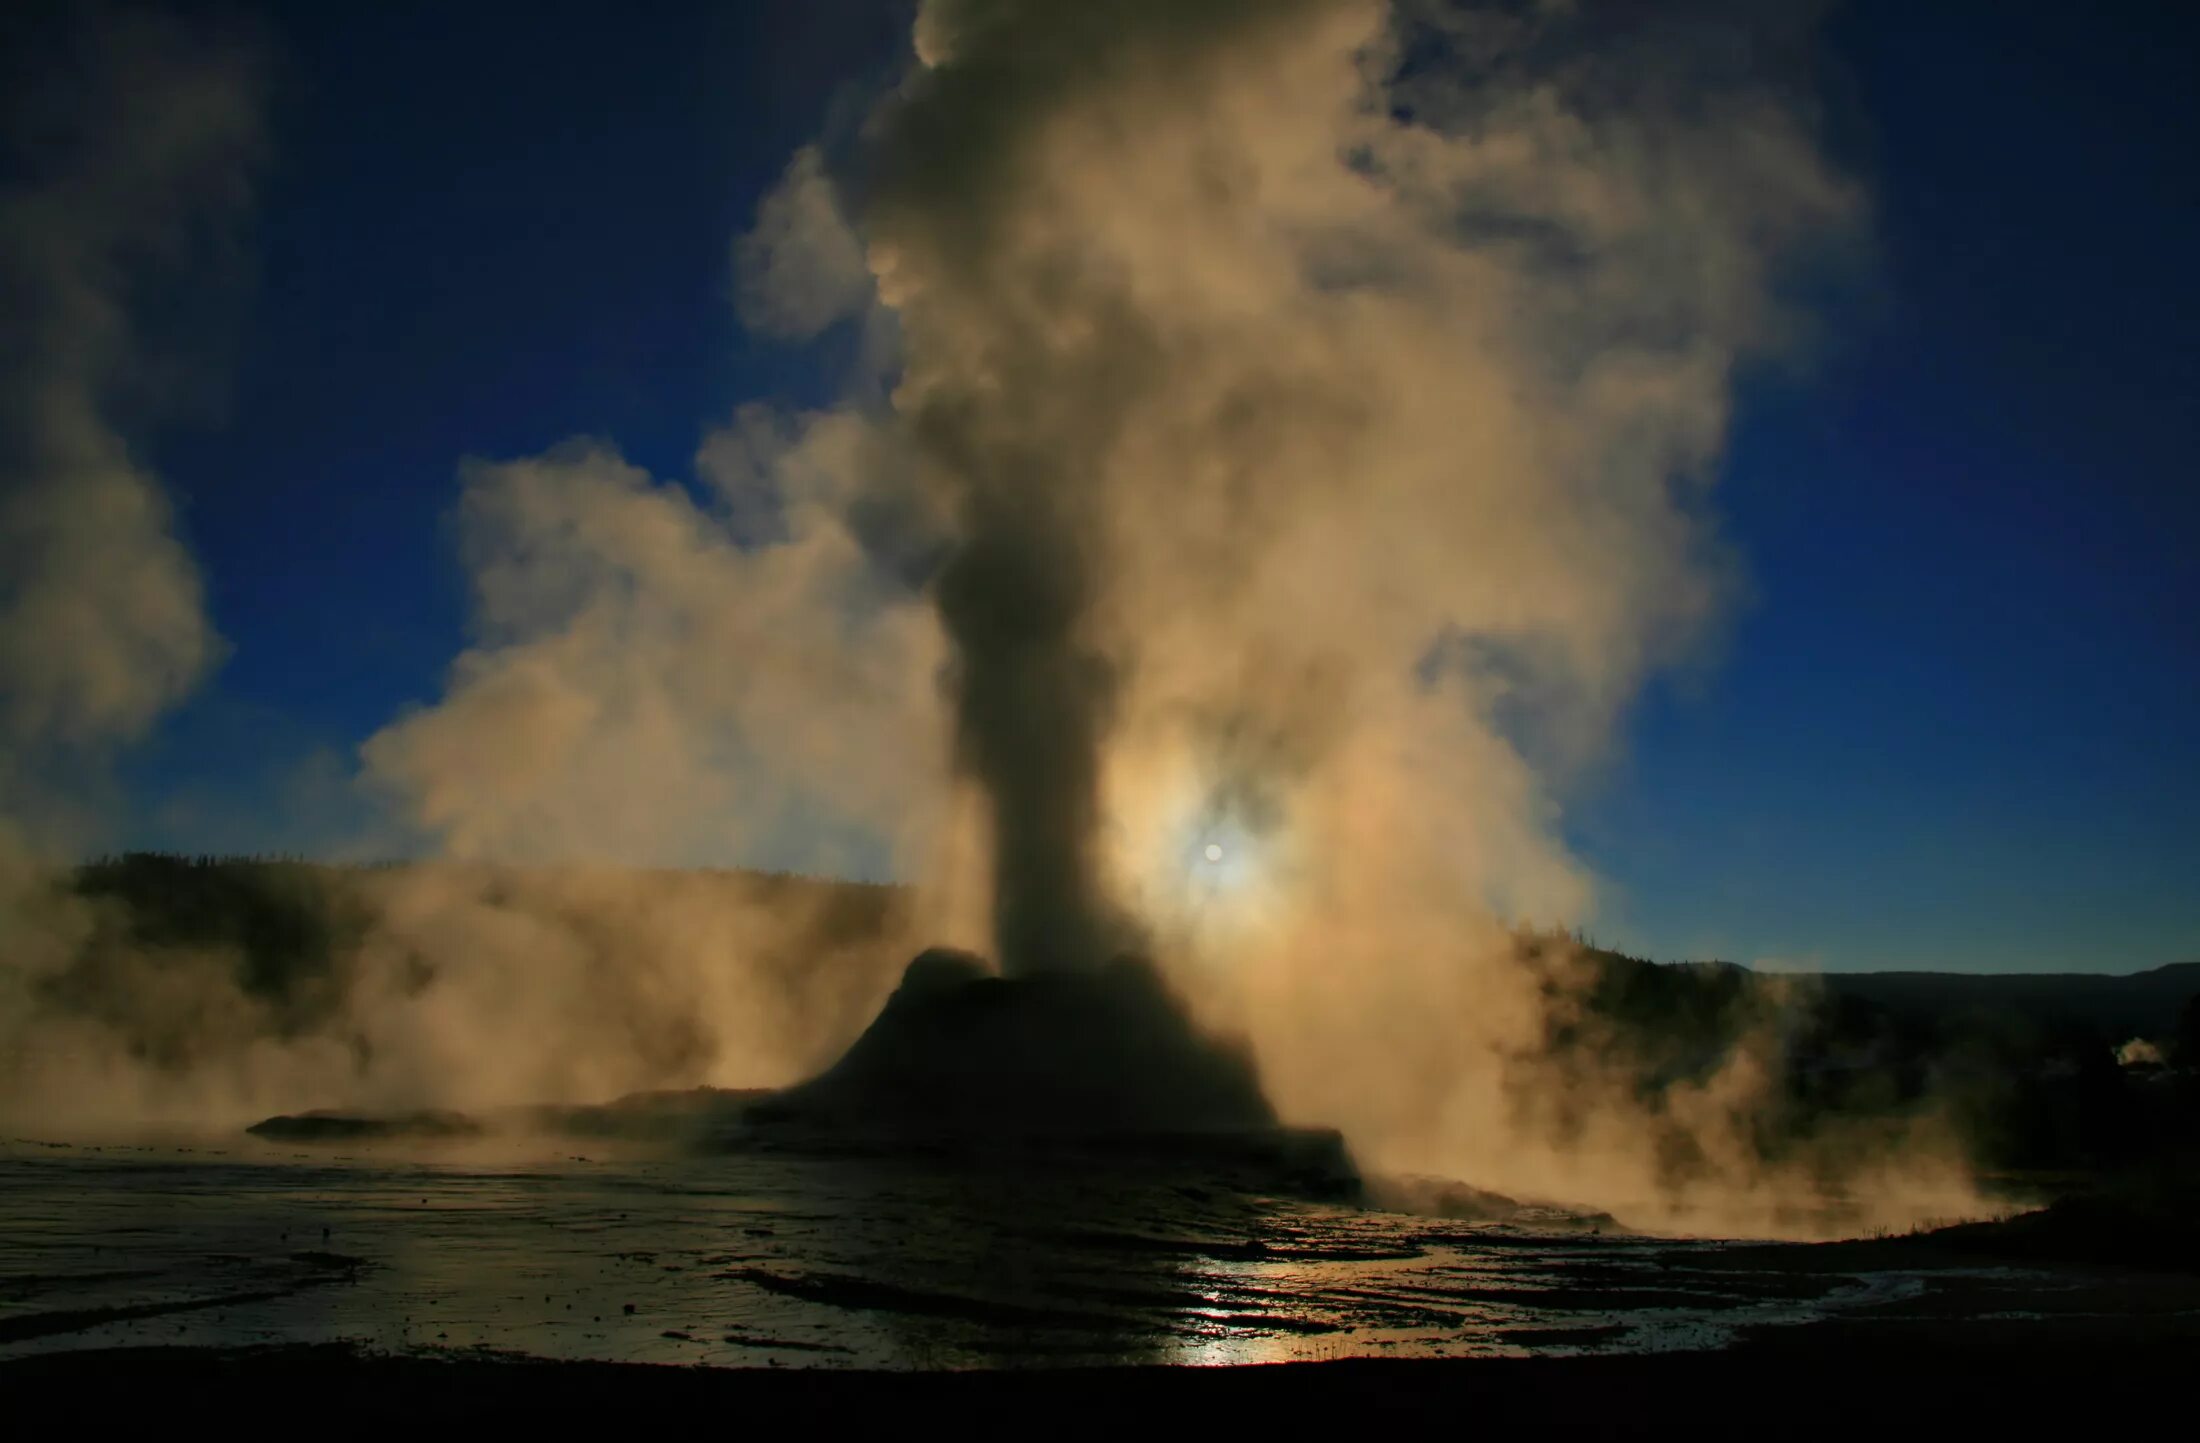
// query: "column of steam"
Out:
[1007,407]
[1031,705]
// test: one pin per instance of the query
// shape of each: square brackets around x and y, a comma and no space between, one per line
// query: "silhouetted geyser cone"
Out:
[957,1049]
[1105,1058]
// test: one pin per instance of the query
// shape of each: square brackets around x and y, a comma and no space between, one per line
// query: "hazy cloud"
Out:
[1323,396]
[136,142]
[800,267]
[1301,415]
[658,681]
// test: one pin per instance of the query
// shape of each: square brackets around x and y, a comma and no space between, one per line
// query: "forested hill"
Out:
[2136,1004]
[285,919]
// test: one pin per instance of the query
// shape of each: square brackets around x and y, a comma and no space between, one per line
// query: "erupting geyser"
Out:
[958,1049]
[1101,1057]
[1076,1038]
[1275,466]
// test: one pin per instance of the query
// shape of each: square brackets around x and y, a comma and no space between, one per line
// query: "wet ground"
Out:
[793,1261]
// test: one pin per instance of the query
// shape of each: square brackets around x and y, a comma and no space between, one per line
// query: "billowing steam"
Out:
[1322,395]
[657,682]
[131,146]
[1299,418]
[134,144]
[1322,402]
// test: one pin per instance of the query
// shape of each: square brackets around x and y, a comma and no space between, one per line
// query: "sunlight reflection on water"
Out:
[804,1261]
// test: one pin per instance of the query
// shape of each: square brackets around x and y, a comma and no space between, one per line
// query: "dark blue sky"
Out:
[1957,723]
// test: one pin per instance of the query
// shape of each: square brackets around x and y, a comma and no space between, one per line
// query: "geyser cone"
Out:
[958,1050]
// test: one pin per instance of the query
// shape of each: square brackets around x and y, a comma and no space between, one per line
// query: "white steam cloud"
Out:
[1301,417]
[657,681]
[1323,398]
[801,267]
[137,144]
[133,141]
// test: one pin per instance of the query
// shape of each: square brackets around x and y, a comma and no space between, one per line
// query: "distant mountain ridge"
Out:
[2135,1004]
[285,920]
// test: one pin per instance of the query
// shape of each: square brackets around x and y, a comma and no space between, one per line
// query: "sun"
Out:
[1214,851]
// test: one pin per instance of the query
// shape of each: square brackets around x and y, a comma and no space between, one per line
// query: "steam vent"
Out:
[1103,1060]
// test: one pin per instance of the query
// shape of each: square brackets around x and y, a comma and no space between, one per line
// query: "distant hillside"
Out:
[180,958]
[287,921]
[2138,1004]
[184,959]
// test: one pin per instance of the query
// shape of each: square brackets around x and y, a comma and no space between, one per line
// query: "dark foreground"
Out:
[167,1289]
[1835,1379]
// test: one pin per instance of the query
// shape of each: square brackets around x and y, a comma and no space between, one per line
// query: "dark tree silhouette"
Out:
[2187,1037]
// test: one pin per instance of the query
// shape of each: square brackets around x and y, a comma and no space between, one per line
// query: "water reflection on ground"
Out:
[792,1261]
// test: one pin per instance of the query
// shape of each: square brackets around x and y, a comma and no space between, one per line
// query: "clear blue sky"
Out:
[1958,724]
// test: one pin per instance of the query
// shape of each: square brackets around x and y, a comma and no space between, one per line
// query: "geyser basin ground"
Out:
[1050,1171]
[754,1259]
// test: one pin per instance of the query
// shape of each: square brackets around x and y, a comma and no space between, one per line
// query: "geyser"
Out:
[1295,417]
[1104,1057]
[1106,1050]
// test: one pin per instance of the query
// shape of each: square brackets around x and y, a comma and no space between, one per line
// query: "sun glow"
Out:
[1218,859]
[1205,878]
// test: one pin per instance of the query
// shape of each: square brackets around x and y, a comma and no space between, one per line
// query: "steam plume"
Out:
[1322,397]
[1302,413]
[1267,368]
[659,682]
[134,142]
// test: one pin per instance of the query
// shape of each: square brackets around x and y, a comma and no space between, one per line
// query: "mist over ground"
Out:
[210,992]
